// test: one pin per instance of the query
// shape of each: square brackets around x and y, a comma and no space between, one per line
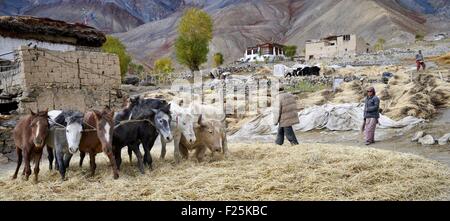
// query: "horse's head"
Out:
[73,131]
[162,120]
[133,101]
[39,127]
[104,125]
[209,132]
[185,122]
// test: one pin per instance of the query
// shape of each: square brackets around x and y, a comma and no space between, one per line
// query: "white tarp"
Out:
[279,70]
[336,117]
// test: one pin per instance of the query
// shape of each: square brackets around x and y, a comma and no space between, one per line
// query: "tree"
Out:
[290,51]
[419,37]
[136,69]
[163,66]
[218,59]
[379,46]
[194,34]
[113,45]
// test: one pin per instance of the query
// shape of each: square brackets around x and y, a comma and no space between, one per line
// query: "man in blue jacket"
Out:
[371,115]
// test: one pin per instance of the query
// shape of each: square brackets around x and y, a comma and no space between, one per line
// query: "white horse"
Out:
[182,124]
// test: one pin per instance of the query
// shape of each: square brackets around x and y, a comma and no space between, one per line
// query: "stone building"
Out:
[56,65]
[335,46]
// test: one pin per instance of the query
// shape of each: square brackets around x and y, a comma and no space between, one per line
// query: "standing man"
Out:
[285,115]
[420,61]
[371,115]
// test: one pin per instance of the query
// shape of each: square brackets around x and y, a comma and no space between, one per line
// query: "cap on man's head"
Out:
[371,89]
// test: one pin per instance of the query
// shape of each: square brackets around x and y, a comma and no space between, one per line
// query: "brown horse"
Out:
[29,138]
[100,139]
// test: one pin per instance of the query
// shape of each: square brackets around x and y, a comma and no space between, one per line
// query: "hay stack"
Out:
[253,172]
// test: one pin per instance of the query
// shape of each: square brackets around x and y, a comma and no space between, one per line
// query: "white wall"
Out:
[9,44]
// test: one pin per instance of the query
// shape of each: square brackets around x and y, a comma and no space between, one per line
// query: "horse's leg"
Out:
[50,157]
[118,156]
[147,148]
[176,147]
[113,163]
[37,161]
[26,156]
[163,148]
[130,154]
[19,162]
[184,151]
[56,161]
[92,161]
[67,158]
[136,151]
[60,161]
[225,145]
[82,155]
[200,153]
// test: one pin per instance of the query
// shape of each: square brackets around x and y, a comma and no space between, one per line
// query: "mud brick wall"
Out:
[80,80]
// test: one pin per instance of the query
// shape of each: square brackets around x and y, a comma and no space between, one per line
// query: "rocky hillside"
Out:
[149,26]
[107,15]
[239,24]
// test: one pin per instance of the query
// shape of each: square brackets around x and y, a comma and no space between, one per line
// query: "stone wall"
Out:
[80,80]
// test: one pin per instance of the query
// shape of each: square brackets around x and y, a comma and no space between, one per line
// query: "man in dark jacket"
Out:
[371,115]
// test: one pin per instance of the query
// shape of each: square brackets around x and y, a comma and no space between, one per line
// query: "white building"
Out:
[269,51]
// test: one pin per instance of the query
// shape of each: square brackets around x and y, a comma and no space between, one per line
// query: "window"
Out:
[249,52]
[346,37]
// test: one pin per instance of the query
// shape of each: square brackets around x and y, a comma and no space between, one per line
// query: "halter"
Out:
[57,124]
[130,121]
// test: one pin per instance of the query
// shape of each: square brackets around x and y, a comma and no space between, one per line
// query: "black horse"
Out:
[131,134]
[155,110]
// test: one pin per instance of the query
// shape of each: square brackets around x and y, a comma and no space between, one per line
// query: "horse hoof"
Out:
[14,177]
[116,176]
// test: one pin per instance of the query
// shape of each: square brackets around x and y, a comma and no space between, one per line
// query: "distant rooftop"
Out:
[49,30]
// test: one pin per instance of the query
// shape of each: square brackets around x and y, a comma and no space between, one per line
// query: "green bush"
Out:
[114,46]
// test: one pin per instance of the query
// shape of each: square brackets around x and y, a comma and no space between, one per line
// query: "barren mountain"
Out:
[107,15]
[149,26]
[238,24]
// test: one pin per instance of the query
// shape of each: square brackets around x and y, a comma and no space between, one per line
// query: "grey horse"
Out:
[63,138]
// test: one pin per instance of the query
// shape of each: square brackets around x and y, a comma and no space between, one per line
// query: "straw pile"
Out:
[442,60]
[253,172]
[401,97]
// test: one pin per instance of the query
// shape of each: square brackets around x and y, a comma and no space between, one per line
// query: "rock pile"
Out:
[427,139]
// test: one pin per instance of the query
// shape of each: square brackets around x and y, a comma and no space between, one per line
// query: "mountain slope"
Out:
[246,23]
[107,15]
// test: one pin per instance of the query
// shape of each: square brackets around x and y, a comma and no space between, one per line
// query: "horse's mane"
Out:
[74,116]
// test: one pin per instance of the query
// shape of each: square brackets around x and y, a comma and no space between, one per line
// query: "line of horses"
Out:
[65,132]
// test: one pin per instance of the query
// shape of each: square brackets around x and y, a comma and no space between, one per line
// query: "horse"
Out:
[98,139]
[182,124]
[155,110]
[29,139]
[211,112]
[209,135]
[131,133]
[64,137]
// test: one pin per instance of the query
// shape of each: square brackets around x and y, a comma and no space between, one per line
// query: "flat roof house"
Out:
[335,46]
[56,65]
[270,51]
